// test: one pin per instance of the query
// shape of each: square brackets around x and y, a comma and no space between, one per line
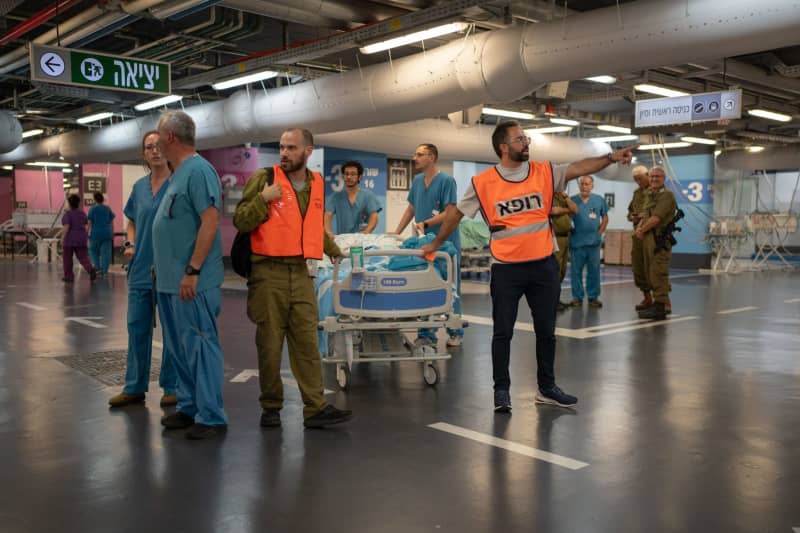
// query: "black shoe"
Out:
[177,420]
[560,306]
[270,418]
[555,396]
[202,431]
[657,311]
[595,303]
[93,274]
[502,401]
[329,416]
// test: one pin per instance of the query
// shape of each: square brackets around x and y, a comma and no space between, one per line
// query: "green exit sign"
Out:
[91,69]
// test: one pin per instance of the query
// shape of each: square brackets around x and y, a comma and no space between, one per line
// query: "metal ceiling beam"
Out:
[332,44]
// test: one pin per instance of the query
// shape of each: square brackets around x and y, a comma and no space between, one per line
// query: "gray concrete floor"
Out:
[691,425]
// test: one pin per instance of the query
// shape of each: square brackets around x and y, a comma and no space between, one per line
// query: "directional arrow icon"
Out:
[244,375]
[52,64]
[86,321]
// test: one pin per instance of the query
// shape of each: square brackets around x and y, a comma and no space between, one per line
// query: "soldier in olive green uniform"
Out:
[280,293]
[659,211]
[561,221]
[635,214]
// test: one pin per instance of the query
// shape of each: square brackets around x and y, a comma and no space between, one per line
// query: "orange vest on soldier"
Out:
[286,232]
[518,214]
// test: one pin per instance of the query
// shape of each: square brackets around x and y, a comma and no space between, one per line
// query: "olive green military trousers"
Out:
[640,276]
[562,255]
[656,264]
[282,304]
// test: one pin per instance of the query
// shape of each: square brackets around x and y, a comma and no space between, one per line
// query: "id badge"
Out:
[593,215]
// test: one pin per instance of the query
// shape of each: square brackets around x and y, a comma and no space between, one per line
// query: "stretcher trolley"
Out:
[372,310]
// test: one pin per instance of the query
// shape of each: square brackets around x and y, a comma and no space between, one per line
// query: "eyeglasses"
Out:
[421,154]
[524,139]
[151,147]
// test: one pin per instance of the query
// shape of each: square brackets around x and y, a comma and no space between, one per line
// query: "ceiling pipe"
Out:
[780,158]
[491,67]
[37,20]
[10,132]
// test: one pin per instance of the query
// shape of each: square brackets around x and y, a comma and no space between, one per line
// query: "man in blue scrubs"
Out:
[140,210]
[188,258]
[356,210]
[584,244]
[431,192]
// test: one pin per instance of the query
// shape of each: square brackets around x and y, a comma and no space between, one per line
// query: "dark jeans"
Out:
[538,281]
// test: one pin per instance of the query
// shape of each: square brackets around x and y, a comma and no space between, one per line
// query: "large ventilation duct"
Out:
[465,144]
[10,132]
[780,158]
[495,66]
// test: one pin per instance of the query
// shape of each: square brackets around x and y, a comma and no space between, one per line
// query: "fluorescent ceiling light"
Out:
[699,140]
[717,152]
[755,149]
[67,170]
[615,129]
[660,91]
[31,133]
[564,121]
[771,115]
[664,145]
[506,113]
[614,138]
[94,118]
[8,167]
[430,33]
[158,102]
[48,164]
[553,129]
[608,80]
[244,80]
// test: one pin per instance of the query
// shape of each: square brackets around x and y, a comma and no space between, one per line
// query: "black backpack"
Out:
[240,249]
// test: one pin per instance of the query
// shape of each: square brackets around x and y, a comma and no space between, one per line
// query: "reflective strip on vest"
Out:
[286,232]
[520,212]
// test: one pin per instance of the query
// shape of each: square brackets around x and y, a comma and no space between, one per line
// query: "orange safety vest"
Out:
[286,232]
[518,213]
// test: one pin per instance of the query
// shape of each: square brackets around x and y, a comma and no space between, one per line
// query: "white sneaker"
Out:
[454,341]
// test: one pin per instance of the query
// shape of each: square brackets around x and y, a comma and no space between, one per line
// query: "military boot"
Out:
[646,302]
[654,312]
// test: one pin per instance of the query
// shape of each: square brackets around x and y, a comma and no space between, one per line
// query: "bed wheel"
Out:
[431,374]
[342,376]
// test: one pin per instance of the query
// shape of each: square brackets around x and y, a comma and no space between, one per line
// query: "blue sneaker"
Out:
[555,396]
[502,401]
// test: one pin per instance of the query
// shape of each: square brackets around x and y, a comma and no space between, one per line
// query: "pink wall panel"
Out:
[31,187]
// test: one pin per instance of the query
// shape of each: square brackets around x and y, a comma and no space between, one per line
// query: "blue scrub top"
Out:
[352,218]
[141,209]
[433,200]
[101,216]
[587,220]
[193,188]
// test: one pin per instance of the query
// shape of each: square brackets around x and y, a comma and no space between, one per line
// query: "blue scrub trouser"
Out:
[588,257]
[190,329]
[141,303]
[429,333]
[100,252]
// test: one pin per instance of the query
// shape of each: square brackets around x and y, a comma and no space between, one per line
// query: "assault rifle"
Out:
[665,236]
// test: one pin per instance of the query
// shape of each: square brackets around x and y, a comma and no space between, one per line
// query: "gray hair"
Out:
[587,176]
[180,124]
[658,167]
[639,169]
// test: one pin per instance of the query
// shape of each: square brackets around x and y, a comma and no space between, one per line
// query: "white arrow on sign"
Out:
[86,321]
[52,64]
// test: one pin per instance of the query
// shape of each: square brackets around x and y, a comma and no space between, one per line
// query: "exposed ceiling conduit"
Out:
[286,13]
[464,144]
[496,66]
[786,139]
[37,20]
[780,158]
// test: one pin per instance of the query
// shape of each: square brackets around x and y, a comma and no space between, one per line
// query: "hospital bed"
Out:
[373,308]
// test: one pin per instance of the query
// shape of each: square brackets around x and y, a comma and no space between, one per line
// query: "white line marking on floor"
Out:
[245,375]
[158,344]
[796,529]
[521,449]
[31,306]
[792,301]
[591,331]
[86,321]
[737,310]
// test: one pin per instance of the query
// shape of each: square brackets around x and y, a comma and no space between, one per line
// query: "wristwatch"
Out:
[425,225]
[191,271]
[127,244]
[610,159]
